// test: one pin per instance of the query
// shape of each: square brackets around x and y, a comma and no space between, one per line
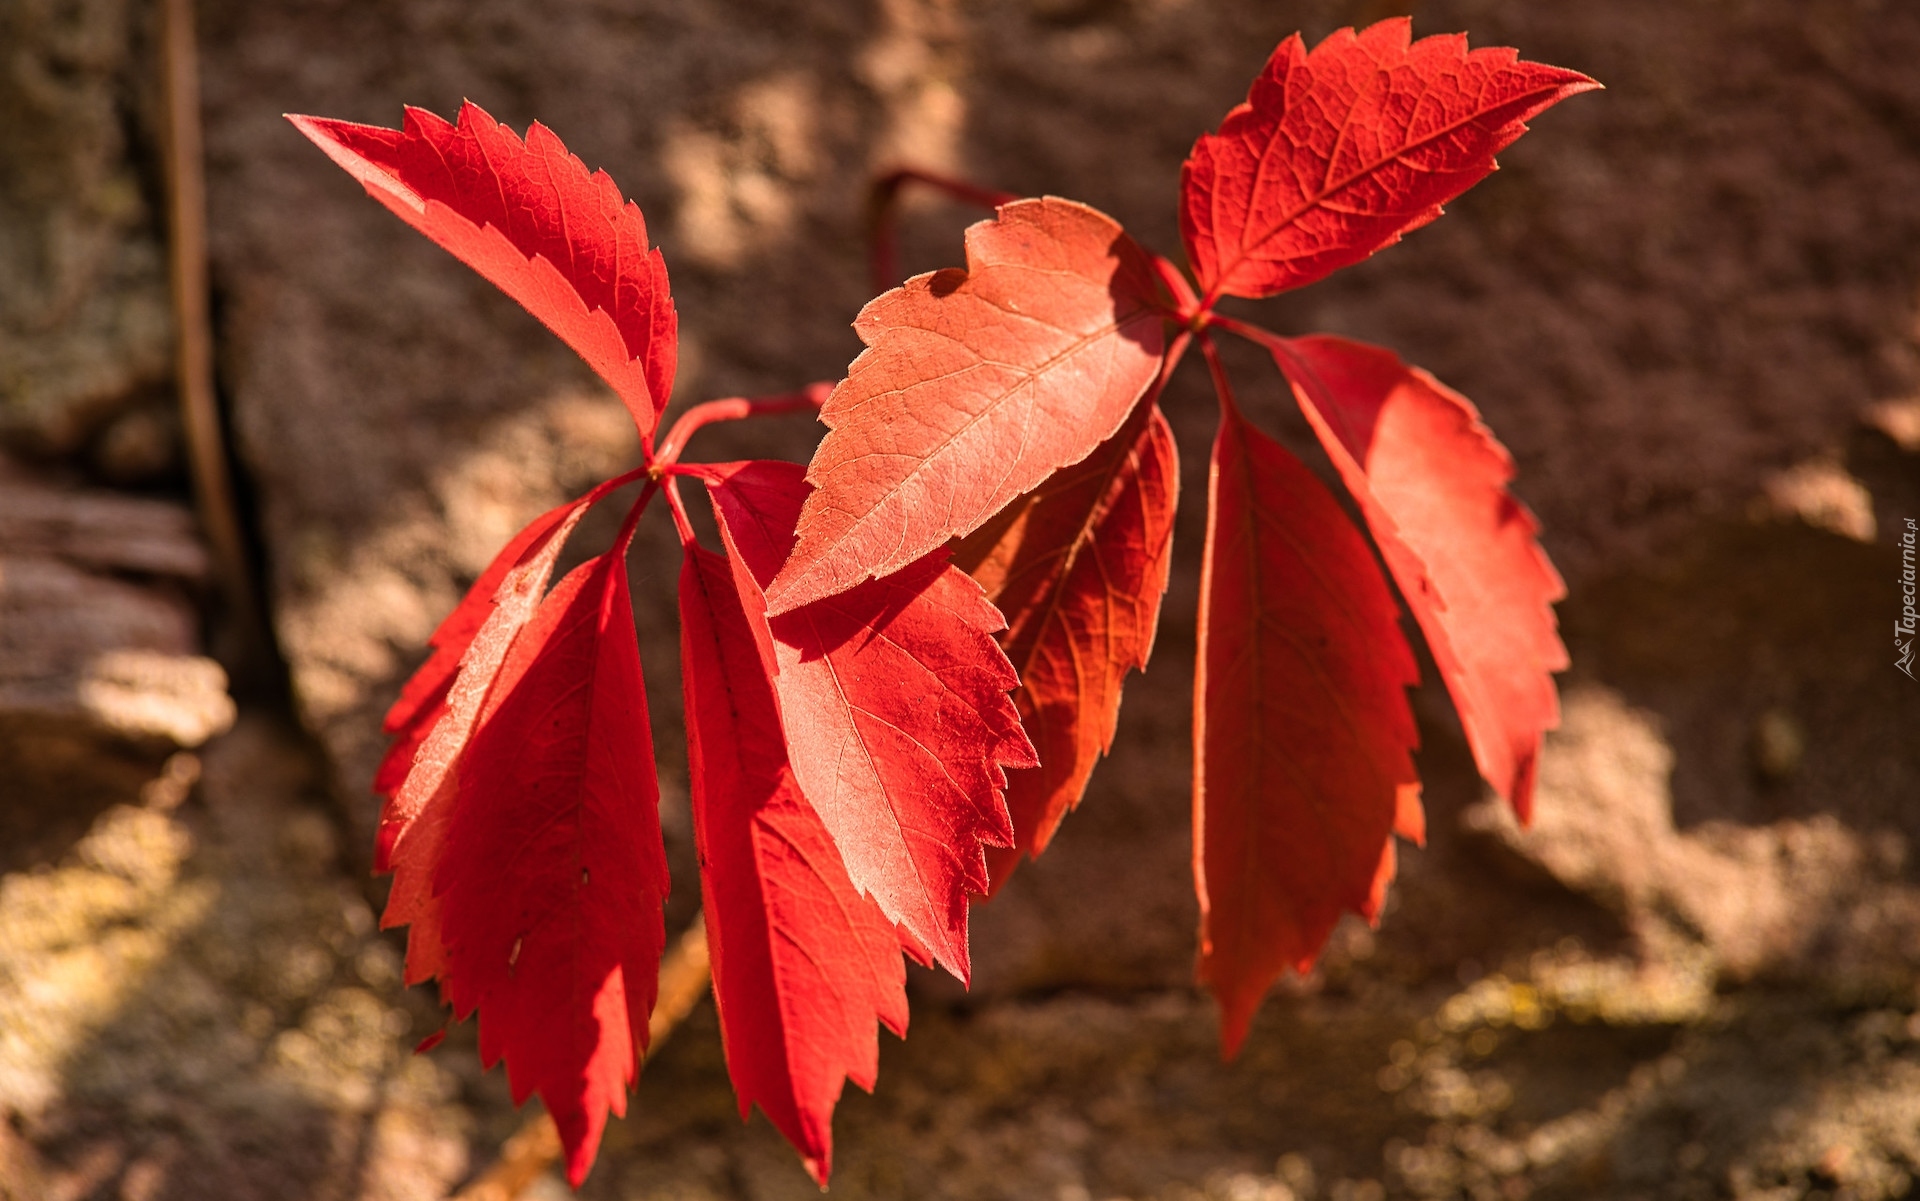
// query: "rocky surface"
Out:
[194,1003]
[85,337]
[101,668]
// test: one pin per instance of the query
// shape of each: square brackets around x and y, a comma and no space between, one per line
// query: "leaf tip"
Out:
[1520,795]
[819,1168]
[1236,1020]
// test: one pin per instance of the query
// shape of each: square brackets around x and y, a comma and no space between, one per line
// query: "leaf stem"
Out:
[883,200]
[1253,333]
[625,537]
[733,408]
[1191,313]
[1222,387]
[678,508]
[1175,352]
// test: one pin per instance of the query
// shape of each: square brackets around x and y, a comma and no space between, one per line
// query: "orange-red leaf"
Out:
[1431,481]
[1302,733]
[1078,565]
[528,217]
[554,876]
[974,387]
[1336,154]
[803,964]
[893,697]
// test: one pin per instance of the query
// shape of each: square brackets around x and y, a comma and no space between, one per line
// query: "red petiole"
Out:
[733,408]
[884,199]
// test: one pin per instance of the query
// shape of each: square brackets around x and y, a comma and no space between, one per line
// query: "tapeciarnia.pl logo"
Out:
[1903,626]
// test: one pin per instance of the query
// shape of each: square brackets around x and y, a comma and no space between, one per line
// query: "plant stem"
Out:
[1218,370]
[1252,333]
[1175,352]
[679,510]
[883,200]
[206,448]
[733,408]
[1191,312]
[624,539]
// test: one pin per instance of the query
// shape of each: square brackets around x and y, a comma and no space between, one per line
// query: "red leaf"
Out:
[1078,565]
[413,824]
[976,385]
[893,699]
[409,722]
[802,963]
[1431,481]
[1302,731]
[1338,153]
[554,876]
[423,699]
[528,217]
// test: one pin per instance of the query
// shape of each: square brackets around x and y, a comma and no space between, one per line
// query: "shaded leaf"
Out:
[528,217]
[803,965]
[554,876]
[974,387]
[1336,154]
[423,699]
[1431,481]
[413,823]
[1078,566]
[894,701]
[1302,731]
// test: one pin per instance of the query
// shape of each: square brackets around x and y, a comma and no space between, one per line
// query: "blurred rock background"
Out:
[1690,305]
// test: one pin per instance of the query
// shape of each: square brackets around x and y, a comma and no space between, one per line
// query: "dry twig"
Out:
[187,262]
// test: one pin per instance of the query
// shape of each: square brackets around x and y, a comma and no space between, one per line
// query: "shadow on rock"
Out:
[195,1003]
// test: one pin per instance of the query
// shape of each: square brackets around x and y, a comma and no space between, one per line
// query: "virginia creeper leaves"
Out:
[414,823]
[857,765]
[424,698]
[1078,565]
[1338,153]
[803,964]
[893,698]
[1431,481]
[554,879]
[1301,731]
[528,217]
[974,387]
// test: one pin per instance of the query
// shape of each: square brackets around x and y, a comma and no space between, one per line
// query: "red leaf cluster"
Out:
[859,767]
[847,756]
[1302,734]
